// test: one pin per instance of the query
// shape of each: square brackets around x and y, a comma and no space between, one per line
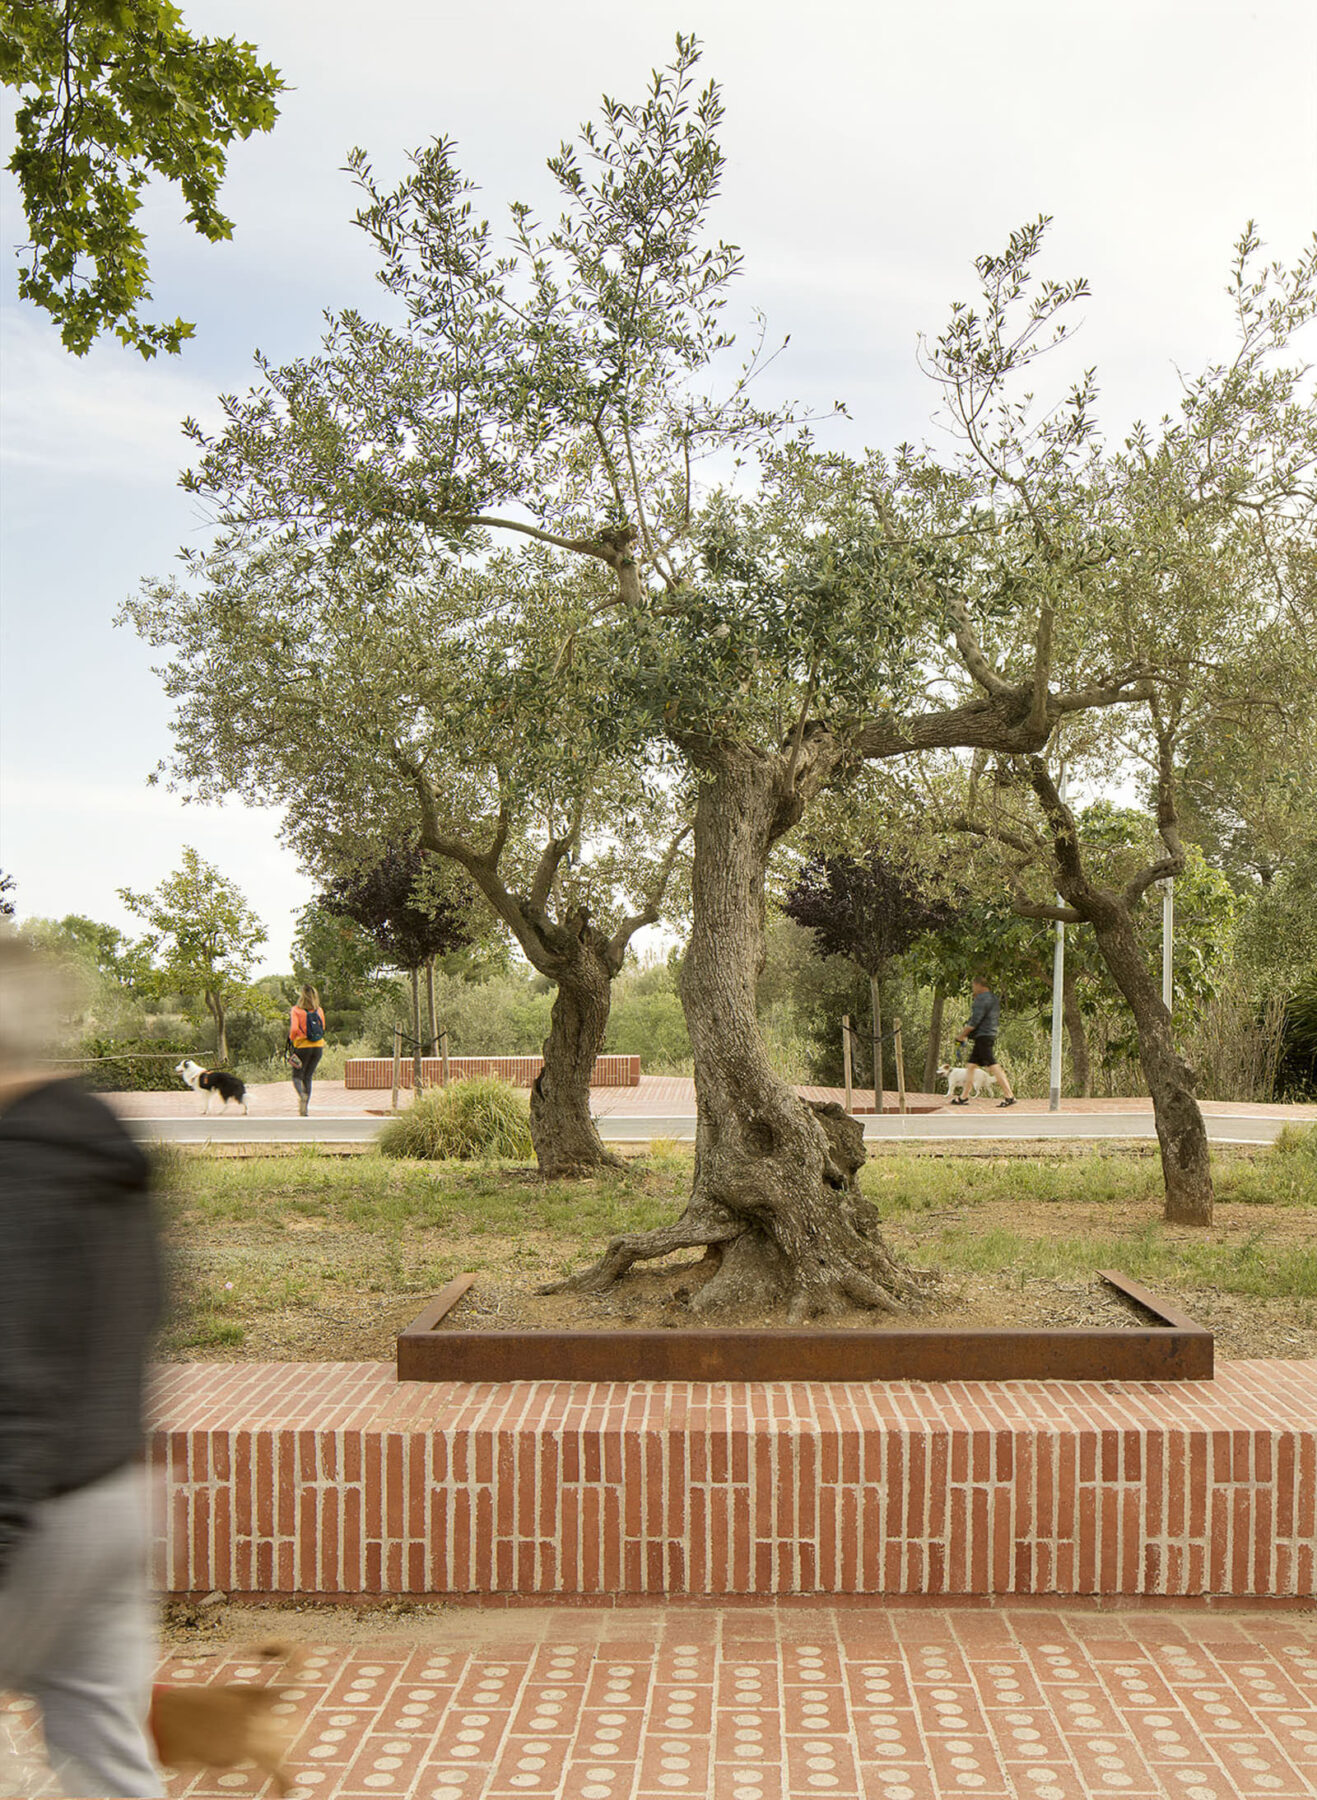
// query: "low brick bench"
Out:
[334,1479]
[376,1072]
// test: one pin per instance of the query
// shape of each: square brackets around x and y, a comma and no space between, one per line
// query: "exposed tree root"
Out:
[779,1240]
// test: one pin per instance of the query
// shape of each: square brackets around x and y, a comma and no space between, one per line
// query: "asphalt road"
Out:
[920,1128]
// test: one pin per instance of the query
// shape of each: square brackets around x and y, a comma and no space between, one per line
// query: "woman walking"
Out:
[306,1035]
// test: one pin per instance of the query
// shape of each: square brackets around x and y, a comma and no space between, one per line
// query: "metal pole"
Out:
[443,1055]
[1168,943]
[898,1046]
[397,1063]
[1058,984]
[846,1055]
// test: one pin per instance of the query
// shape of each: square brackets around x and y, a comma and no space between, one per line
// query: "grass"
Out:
[289,1255]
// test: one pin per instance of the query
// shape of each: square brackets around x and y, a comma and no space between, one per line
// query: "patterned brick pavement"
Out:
[766,1703]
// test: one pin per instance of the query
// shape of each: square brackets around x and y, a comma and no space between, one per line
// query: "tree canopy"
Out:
[112,95]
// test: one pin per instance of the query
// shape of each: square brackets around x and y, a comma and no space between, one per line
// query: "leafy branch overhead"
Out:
[114,94]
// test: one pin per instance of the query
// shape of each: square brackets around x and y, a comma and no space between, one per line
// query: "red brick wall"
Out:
[334,1479]
[376,1072]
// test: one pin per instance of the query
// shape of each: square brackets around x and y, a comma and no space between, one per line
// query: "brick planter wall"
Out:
[336,1479]
[376,1072]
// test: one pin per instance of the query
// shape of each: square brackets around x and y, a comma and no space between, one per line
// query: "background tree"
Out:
[342,960]
[459,723]
[7,886]
[114,94]
[409,922]
[870,910]
[202,938]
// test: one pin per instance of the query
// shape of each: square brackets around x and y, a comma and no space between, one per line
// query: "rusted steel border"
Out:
[1174,1350]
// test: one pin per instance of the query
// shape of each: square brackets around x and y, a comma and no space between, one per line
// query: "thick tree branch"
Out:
[583,546]
[971,650]
[546,872]
[1039,909]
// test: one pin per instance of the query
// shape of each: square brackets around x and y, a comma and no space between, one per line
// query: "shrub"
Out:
[650,1026]
[132,1065]
[477,1117]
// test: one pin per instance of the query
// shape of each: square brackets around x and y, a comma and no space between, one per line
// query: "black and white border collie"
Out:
[213,1081]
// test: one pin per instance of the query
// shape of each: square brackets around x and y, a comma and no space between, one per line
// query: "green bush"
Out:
[473,1118]
[131,1065]
[650,1026]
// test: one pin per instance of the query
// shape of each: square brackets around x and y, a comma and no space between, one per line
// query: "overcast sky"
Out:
[873,150]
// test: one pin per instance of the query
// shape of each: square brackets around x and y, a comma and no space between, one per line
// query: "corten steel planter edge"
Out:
[1177,1350]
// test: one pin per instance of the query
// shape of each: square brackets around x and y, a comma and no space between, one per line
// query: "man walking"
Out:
[79,1296]
[984,1019]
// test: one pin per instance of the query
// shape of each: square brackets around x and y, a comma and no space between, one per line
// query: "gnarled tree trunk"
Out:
[775,1194]
[1081,1066]
[561,1127]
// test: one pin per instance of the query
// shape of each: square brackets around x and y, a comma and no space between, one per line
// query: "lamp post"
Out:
[1168,942]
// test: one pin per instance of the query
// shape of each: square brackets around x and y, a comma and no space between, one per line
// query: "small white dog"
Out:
[980,1082]
[214,1081]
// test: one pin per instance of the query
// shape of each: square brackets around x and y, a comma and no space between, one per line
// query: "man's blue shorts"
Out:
[984,1052]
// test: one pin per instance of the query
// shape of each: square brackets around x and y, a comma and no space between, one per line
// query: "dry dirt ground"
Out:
[355,1293]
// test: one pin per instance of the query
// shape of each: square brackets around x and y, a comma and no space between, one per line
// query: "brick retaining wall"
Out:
[376,1072]
[318,1478]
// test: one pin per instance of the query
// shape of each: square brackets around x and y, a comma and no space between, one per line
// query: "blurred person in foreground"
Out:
[80,1292]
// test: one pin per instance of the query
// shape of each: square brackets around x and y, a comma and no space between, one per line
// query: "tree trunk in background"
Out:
[933,1055]
[1181,1133]
[215,1007]
[775,1200]
[1080,1063]
[566,1139]
[876,1008]
[430,1006]
[418,1073]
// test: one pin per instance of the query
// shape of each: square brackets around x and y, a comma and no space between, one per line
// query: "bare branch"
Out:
[653,906]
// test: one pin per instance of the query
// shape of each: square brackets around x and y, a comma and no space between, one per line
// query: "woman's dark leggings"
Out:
[310,1061]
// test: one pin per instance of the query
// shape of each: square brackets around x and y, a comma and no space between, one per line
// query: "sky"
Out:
[873,150]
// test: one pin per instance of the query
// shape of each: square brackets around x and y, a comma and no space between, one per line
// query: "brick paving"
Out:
[788,1703]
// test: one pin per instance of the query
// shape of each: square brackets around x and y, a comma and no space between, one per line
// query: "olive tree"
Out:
[404,704]
[566,389]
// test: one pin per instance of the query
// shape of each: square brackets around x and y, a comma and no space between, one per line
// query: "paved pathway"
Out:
[789,1703]
[664,1106]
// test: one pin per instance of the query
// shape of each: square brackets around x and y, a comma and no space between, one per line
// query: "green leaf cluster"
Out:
[112,95]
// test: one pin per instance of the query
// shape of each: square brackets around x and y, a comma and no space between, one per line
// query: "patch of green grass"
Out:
[210,1334]
[920,1184]
[1258,1266]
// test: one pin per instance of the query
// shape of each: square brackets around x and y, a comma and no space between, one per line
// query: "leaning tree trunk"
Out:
[933,1055]
[561,1127]
[1081,1065]
[1181,1133]
[775,1199]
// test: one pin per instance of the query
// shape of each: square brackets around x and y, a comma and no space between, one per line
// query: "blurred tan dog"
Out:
[216,1727]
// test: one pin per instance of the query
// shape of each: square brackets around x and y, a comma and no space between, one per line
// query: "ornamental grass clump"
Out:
[478,1117]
